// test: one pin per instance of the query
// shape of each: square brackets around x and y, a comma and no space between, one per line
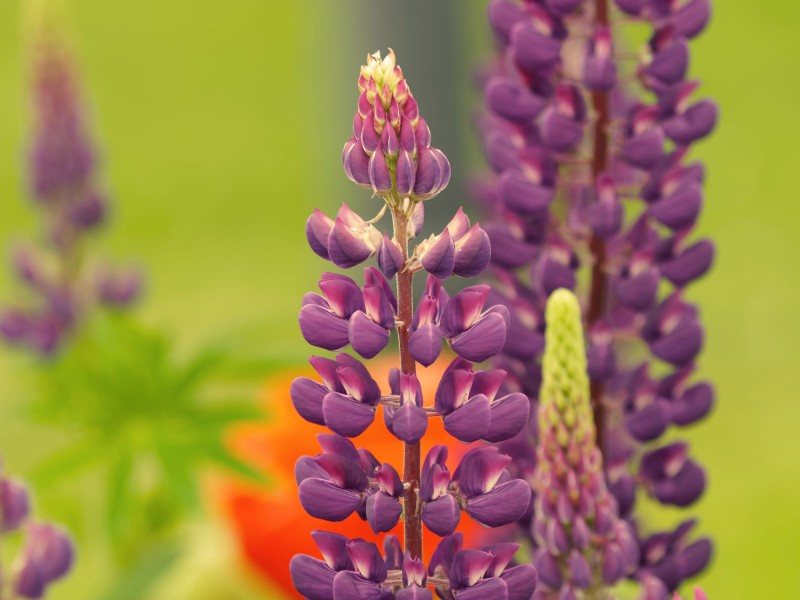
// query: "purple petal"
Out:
[579,570]
[479,470]
[509,415]
[390,258]
[503,15]
[325,500]
[318,229]
[670,64]
[695,557]
[645,149]
[321,328]
[691,264]
[521,581]
[350,585]
[484,339]
[414,592]
[443,555]
[468,568]
[683,489]
[332,443]
[379,176]
[356,163]
[510,100]
[693,404]
[409,423]
[638,292]
[650,422]
[559,132]
[345,416]
[346,247]
[307,396]
[463,309]
[523,196]
[425,344]
[433,173]
[311,577]
[342,294]
[14,505]
[469,422]
[439,258]
[442,515]
[494,588]
[406,173]
[392,552]
[680,209]
[531,50]
[333,547]
[383,512]
[473,252]
[306,467]
[367,559]
[697,122]
[681,345]
[691,18]
[548,569]
[504,504]
[366,336]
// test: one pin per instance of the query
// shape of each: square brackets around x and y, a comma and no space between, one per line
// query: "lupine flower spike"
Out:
[593,190]
[46,554]
[391,154]
[71,203]
[583,544]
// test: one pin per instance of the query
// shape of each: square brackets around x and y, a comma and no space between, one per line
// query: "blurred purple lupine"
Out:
[47,552]
[592,190]
[71,204]
[391,154]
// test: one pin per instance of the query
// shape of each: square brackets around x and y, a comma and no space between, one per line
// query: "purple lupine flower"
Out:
[390,153]
[560,186]
[467,401]
[60,288]
[47,552]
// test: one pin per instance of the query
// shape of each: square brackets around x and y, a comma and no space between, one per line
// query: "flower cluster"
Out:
[46,553]
[62,174]
[391,154]
[592,183]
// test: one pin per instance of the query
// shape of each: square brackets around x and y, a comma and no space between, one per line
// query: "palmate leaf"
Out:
[136,582]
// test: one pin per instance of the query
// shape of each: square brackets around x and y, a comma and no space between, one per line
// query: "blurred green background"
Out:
[221,125]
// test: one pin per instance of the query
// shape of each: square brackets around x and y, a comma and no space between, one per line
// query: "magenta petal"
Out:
[370,140]
[383,512]
[409,423]
[508,416]
[463,309]
[433,173]
[366,336]
[307,396]
[333,547]
[483,340]
[325,500]
[311,577]
[470,421]
[504,504]
[425,344]
[442,515]
[350,585]
[346,416]
[321,328]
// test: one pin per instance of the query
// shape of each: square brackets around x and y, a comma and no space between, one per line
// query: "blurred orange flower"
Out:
[269,523]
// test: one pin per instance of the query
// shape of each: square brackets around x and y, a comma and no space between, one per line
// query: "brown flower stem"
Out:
[599,282]
[411,452]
